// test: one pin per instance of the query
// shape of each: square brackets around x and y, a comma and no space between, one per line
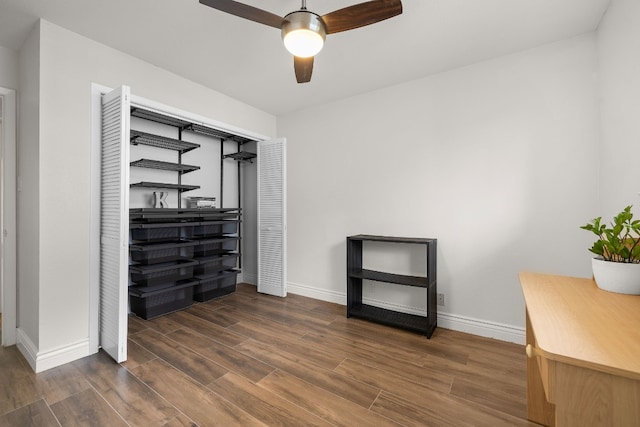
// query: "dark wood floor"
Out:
[249,359]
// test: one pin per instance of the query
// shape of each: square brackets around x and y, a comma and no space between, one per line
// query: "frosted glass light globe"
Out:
[303,43]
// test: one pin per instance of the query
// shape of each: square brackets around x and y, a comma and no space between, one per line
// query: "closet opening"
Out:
[148,132]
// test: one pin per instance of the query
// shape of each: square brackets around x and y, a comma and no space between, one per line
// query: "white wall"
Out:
[495,160]
[69,64]
[28,203]
[8,68]
[619,70]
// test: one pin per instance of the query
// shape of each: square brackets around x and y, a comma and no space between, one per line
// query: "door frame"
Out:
[8,226]
[97,91]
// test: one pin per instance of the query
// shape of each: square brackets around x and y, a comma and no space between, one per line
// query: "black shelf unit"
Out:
[356,274]
[144,138]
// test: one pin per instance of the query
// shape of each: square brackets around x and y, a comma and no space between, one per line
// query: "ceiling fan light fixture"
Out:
[303,33]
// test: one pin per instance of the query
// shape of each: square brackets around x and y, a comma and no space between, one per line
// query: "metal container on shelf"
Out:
[201,202]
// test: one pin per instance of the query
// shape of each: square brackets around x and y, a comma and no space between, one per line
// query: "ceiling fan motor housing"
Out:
[309,27]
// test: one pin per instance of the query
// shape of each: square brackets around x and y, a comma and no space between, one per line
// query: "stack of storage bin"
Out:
[181,255]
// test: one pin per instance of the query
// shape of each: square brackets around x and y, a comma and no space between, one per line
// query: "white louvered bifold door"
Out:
[114,223]
[272,218]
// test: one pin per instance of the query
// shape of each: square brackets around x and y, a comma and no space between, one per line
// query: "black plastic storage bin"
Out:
[162,255]
[217,214]
[215,285]
[216,263]
[148,305]
[155,234]
[215,246]
[161,285]
[148,275]
[155,253]
[216,228]
[161,231]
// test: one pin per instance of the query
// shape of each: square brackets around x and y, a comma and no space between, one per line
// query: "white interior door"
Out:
[114,223]
[272,217]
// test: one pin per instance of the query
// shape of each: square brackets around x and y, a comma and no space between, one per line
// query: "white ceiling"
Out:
[247,61]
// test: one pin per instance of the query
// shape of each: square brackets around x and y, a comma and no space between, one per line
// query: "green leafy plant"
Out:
[618,242]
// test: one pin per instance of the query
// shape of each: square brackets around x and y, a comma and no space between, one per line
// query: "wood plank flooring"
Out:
[253,360]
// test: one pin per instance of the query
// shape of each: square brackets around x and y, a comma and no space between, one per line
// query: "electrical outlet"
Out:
[440,299]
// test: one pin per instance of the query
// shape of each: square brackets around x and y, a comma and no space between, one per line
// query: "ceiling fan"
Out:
[304,32]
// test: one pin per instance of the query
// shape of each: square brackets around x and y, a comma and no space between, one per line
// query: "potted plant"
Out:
[616,267]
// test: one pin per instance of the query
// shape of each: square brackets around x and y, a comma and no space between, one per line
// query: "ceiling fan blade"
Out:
[245,11]
[362,14]
[303,68]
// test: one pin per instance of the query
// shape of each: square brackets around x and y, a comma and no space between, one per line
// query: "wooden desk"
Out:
[584,344]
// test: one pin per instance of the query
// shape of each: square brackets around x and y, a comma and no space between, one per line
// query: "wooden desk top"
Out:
[575,322]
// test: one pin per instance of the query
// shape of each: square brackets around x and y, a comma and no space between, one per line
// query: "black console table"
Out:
[356,274]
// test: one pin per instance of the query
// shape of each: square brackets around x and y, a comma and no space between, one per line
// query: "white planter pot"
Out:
[620,277]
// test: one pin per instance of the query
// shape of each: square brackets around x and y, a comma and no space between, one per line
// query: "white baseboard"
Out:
[317,293]
[41,361]
[483,328]
[27,348]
